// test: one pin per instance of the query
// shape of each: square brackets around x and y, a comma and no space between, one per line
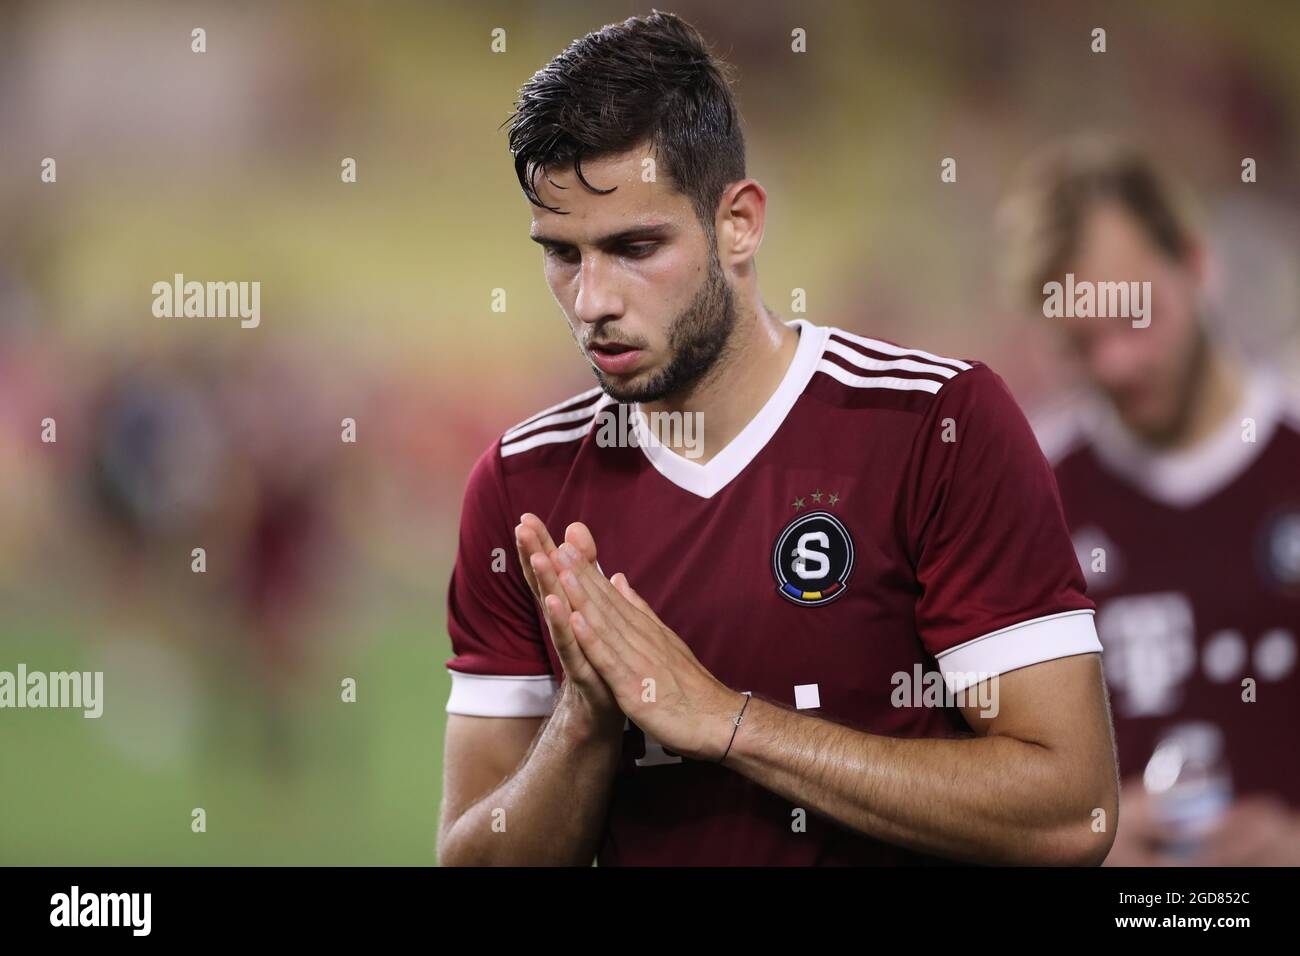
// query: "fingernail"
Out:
[568,555]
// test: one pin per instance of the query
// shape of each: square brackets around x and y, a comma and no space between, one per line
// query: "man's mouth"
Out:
[614,358]
[610,348]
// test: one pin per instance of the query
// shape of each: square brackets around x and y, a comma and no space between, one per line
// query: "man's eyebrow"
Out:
[651,230]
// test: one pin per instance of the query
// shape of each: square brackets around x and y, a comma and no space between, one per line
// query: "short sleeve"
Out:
[1000,584]
[500,667]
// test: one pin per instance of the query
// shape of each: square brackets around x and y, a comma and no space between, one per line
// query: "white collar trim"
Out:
[708,479]
[1186,477]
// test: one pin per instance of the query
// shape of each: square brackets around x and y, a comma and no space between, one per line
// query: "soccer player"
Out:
[715,654]
[1180,477]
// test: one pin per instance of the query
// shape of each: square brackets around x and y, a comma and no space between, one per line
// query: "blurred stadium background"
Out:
[329,560]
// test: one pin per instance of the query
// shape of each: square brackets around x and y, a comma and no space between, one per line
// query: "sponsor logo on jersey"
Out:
[813,559]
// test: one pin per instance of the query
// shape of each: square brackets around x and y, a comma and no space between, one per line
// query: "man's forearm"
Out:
[551,810]
[986,799]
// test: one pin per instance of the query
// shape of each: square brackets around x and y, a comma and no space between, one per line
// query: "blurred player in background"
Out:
[184,451]
[1180,476]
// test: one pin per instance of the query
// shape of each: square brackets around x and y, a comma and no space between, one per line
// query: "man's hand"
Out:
[654,677]
[588,692]
[553,776]
[1026,789]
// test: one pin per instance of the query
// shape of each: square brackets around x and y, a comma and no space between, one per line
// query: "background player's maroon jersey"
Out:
[1201,582]
[887,511]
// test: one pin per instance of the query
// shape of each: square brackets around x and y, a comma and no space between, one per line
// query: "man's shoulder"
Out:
[536,453]
[866,367]
[564,423]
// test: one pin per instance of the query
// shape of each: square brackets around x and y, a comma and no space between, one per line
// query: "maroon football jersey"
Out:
[886,514]
[1193,558]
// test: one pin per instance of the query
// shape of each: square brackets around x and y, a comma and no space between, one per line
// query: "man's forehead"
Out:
[1110,231]
[639,193]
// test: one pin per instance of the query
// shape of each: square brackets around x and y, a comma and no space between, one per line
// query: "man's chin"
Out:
[1152,427]
[638,386]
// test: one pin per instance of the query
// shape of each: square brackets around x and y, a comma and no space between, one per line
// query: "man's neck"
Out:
[1214,399]
[727,399]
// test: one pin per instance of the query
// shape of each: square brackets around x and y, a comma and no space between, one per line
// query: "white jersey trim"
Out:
[528,436]
[1187,477]
[1066,634]
[558,418]
[841,374]
[479,695]
[514,430]
[867,363]
[890,349]
[706,480]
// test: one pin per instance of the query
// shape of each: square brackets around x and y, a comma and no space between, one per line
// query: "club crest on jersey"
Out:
[813,559]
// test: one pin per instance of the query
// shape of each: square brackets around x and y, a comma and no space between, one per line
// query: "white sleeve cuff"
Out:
[480,695]
[1019,645]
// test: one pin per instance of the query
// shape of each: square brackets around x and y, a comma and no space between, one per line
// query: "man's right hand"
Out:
[584,691]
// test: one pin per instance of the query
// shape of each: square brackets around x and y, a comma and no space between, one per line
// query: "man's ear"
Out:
[742,214]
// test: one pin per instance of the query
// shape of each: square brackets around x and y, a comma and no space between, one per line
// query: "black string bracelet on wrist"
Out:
[735,727]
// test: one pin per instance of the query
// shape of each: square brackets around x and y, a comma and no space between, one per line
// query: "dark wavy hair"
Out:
[645,79]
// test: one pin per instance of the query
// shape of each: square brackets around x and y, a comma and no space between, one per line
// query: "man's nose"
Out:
[1117,359]
[598,298]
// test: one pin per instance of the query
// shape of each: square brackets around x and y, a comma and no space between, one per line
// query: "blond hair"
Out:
[1040,222]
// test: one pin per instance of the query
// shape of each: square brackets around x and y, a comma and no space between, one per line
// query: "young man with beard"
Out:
[741,689]
[1180,476]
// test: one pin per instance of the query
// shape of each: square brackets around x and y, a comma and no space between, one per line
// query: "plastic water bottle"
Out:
[1189,785]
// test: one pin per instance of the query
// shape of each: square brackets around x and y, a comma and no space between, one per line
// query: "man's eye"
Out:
[562,253]
[639,250]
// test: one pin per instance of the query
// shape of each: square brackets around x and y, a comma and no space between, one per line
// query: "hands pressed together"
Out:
[619,658]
